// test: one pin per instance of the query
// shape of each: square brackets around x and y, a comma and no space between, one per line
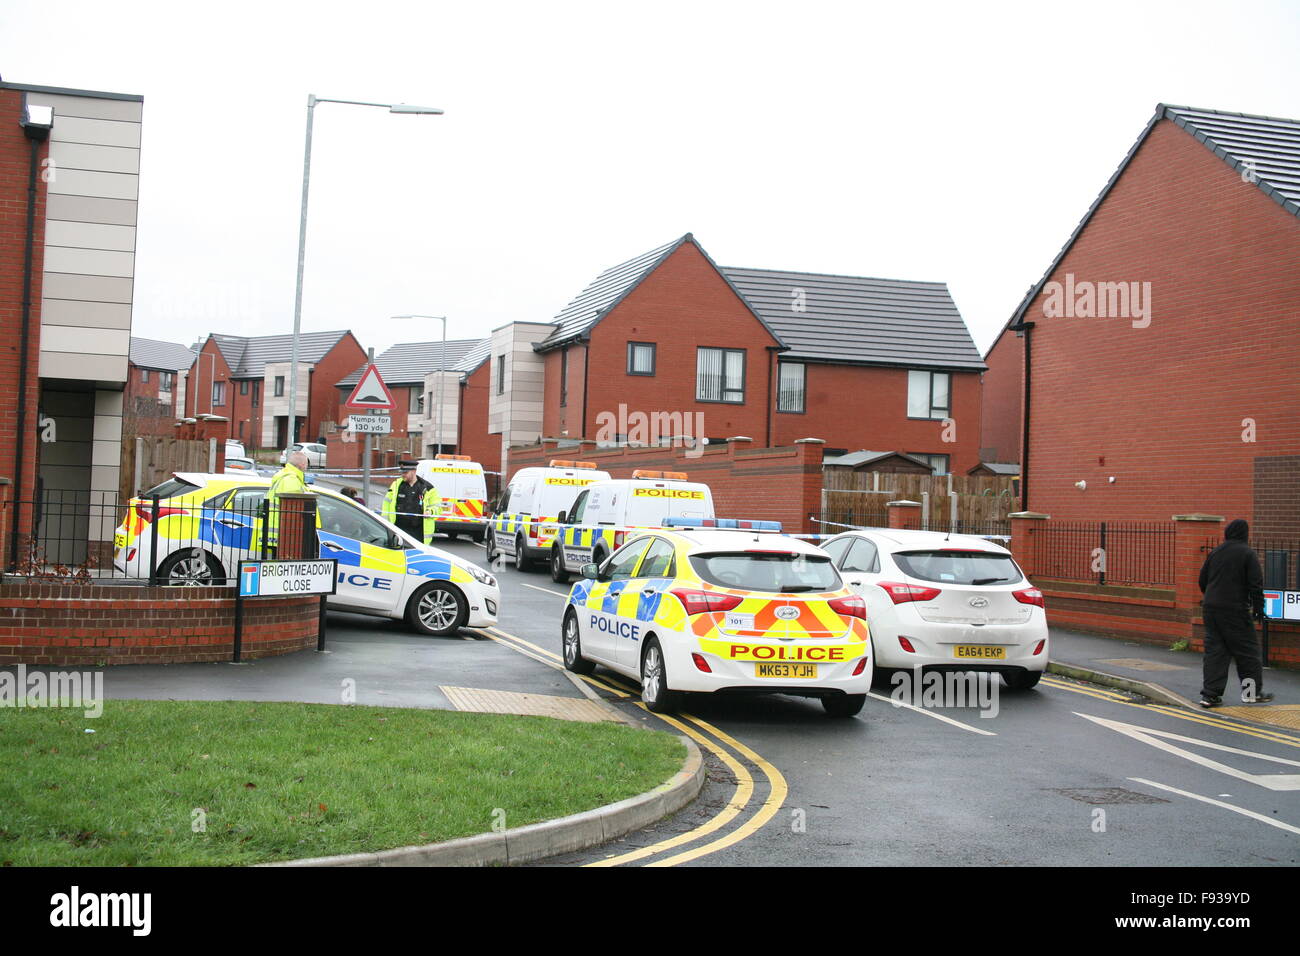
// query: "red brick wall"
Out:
[15,160]
[1161,408]
[473,436]
[323,397]
[770,484]
[856,407]
[58,624]
[1001,424]
[198,391]
[682,305]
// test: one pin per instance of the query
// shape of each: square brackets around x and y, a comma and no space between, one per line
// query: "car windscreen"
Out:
[959,567]
[775,571]
[171,488]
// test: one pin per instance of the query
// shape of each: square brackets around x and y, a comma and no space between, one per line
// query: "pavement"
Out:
[1171,677]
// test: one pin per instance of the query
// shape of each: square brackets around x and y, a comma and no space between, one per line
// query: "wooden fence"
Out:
[982,502]
[148,460]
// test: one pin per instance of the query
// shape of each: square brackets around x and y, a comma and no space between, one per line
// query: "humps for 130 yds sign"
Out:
[287,578]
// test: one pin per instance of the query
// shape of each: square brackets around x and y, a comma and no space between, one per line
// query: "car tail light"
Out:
[145,511]
[701,663]
[1030,596]
[906,645]
[699,602]
[849,607]
[618,539]
[862,665]
[903,593]
[1038,648]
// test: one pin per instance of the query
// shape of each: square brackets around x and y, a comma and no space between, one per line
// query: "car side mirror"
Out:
[563,518]
[591,571]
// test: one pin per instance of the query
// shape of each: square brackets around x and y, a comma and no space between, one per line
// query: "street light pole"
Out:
[442,364]
[312,100]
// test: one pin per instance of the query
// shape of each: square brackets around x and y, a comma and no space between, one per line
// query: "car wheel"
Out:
[438,609]
[522,561]
[478,536]
[573,659]
[493,552]
[191,566]
[843,705]
[451,535]
[558,574]
[1022,680]
[654,682]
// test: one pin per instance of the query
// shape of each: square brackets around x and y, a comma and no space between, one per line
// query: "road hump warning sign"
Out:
[371,392]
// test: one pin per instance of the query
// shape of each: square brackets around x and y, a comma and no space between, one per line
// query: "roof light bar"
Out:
[723,524]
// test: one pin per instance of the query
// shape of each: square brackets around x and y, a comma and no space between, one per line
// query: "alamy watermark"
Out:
[38,689]
[1098,300]
[661,429]
[937,689]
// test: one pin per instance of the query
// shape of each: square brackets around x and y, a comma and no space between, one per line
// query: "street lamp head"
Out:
[407,108]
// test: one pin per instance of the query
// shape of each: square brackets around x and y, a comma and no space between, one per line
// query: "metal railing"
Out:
[1105,552]
[1280,561]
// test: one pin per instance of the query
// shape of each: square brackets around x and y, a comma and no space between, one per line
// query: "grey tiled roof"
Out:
[606,291]
[855,459]
[164,356]
[847,319]
[478,354]
[1265,149]
[407,364]
[248,356]
[999,467]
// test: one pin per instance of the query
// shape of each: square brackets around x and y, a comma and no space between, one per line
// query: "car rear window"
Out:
[767,571]
[171,488]
[959,567]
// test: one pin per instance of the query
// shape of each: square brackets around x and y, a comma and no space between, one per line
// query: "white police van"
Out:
[524,524]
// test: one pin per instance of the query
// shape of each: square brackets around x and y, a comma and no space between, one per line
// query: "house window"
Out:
[720,375]
[928,394]
[144,376]
[218,393]
[241,431]
[243,387]
[791,380]
[279,386]
[501,374]
[938,463]
[257,394]
[417,402]
[564,377]
[165,381]
[640,358]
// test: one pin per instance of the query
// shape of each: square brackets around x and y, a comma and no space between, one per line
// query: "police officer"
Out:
[412,503]
[289,480]
[1233,585]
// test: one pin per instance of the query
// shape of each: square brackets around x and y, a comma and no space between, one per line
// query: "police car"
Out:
[463,490]
[723,605]
[205,524]
[524,525]
[605,512]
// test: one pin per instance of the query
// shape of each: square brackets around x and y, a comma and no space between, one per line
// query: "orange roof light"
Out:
[446,457]
[668,475]
[565,463]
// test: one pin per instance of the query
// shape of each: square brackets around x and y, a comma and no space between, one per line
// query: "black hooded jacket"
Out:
[1231,576]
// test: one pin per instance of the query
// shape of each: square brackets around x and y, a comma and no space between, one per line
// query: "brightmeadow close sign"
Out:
[287,578]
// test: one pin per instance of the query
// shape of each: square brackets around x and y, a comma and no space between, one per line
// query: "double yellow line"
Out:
[712,739]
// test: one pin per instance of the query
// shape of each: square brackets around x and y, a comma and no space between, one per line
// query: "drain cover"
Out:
[1104,796]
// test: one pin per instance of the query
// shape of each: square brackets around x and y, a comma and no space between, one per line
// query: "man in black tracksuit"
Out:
[1233,585]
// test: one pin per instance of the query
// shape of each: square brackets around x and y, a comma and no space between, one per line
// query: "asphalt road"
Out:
[1066,774]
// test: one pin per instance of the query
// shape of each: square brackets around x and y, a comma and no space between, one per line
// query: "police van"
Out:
[525,523]
[463,490]
[603,515]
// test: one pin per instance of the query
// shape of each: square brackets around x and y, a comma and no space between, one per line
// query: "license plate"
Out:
[786,671]
[979,652]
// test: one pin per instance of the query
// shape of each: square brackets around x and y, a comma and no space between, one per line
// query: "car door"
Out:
[576,539]
[371,574]
[652,578]
[603,626]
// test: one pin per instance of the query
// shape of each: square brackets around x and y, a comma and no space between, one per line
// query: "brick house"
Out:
[474,372]
[1157,360]
[246,380]
[769,355]
[69,179]
[155,386]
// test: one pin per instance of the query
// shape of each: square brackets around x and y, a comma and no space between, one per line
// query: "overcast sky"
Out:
[952,142]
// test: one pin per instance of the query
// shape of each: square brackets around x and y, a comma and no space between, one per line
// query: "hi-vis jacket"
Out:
[289,480]
[431,505]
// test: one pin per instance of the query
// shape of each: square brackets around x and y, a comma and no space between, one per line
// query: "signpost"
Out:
[372,393]
[259,579]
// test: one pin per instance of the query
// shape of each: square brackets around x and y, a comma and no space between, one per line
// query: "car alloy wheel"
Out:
[188,568]
[438,609]
[573,659]
[654,681]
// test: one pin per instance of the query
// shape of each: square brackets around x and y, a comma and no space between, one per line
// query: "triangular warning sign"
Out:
[371,392]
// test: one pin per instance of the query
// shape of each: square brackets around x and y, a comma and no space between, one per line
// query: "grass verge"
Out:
[183,783]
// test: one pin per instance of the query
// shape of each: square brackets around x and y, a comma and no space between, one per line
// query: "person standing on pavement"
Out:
[1233,587]
[289,480]
[412,503]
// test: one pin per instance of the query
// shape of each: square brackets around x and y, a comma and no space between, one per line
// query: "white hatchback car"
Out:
[945,601]
[315,453]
